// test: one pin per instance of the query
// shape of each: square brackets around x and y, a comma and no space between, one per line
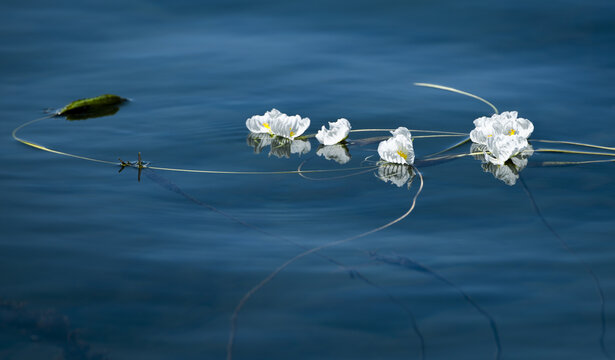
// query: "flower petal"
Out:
[289,126]
[503,147]
[505,123]
[262,123]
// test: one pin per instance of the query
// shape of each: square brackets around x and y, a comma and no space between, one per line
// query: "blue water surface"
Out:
[95,264]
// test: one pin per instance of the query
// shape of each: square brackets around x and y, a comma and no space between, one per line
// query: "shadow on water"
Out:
[397,260]
[287,263]
[581,262]
[45,326]
[102,112]
[410,264]
[353,273]
[54,328]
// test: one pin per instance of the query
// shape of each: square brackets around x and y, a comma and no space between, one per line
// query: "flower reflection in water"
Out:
[338,153]
[398,174]
[509,171]
[259,141]
[280,147]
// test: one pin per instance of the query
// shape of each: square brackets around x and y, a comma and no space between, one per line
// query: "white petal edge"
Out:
[289,127]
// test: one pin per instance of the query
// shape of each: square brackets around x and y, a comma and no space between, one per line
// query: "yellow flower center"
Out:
[402,154]
[266,126]
[292,133]
[512,132]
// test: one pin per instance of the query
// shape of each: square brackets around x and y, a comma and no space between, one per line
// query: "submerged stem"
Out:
[169,185]
[575,144]
[410,264]
[581,262]
[280,268]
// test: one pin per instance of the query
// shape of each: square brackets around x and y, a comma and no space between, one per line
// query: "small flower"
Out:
[503,136]
[338,153]
[397,174]
[505,123]
[338,131]
[276,123]
[398,149]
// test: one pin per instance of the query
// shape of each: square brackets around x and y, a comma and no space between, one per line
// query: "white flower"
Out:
[338,153]
[397,174]
[398,149]
[505,123]
[503,135]
[338,131]
[276,123]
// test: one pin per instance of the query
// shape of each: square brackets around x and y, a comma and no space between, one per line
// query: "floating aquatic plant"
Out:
[338,131]
[103,105]
[399,148]
[276,123]
[503,135]
[501,142]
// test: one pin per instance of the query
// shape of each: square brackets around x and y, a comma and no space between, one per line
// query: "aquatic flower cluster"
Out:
[398,149]
[502,135]
[500,140]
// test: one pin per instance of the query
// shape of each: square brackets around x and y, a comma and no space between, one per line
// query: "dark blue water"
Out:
[95,264]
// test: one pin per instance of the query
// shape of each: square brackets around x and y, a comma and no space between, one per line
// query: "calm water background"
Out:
[145,273]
